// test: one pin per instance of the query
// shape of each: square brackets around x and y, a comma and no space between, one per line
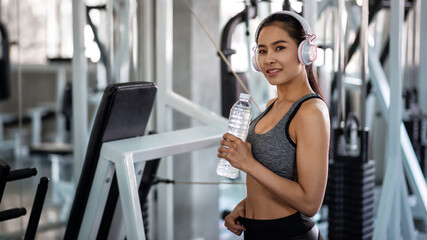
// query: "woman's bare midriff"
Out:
[261,204]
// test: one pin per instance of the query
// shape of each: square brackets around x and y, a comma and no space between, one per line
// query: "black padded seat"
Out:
[123,113]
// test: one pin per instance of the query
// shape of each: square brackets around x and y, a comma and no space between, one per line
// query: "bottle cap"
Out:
[245,96]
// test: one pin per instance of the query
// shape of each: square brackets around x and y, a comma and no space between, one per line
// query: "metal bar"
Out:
[110,40]
[21,174]
[413,172]
[126,152]
[12,213]
[310,13]
[166,144]
[418,16]
[1,129]
[422,68]
[129,197]
[340,64]
[97,198]
[4,173]
[115,38]
[164,59]
[118,229]
[36,125]
[146,71]
[364,60]
[390,195]
[386,202]
[407,222]
[36,210]
[379,81]
[393,228]
[193,110]
[80,108]
[396,79]
[411,166]
[61,80]
[133,22]
[145,46]
[124,42]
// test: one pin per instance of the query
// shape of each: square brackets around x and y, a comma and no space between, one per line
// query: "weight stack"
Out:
[350,194]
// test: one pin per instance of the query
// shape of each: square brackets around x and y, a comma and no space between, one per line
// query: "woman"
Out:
[286,153]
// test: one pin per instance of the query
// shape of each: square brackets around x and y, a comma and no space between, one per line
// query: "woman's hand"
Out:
[237,152]
[232,220]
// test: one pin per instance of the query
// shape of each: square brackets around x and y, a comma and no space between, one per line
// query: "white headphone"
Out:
[307,52]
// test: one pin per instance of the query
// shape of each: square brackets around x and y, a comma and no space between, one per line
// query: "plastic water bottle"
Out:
[238,125]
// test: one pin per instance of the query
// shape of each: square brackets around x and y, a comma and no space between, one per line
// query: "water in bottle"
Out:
[238,125]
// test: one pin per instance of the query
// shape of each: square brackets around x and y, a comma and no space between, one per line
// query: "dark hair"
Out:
[296,31]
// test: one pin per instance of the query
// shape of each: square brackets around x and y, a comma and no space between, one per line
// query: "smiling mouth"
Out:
[273,70]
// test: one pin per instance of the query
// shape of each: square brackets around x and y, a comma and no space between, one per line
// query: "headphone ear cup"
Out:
[307,52]
[301,53]
[255,63]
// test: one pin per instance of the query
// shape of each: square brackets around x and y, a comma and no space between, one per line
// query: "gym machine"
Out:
[6,175]
[4,64]
[118,170]
[123,113]
[395,216]
[230,90]
[350,194]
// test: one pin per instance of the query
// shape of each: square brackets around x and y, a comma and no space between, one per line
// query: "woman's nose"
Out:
[269,58]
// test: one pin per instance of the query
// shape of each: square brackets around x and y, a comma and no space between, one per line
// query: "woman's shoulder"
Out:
[312,121]
[313,109]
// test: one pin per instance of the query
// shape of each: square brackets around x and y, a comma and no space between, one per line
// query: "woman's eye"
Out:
[280,48]
[261,51]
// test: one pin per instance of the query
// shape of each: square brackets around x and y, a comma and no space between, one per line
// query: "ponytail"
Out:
[313,80]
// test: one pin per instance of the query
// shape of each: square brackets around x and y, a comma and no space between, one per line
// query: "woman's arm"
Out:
[232,220]
[311,126]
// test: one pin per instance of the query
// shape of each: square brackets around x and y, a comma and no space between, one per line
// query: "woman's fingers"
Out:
[240,226]
[233,224]
[230,137]
[229,143]
[226,147]
[234,228]
[223,151]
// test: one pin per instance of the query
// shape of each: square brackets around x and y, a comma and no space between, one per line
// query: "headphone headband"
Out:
[300,19]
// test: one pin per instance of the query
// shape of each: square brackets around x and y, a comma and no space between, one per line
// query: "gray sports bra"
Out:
[275,149]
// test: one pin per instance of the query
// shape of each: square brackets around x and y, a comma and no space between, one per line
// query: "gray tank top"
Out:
[275,149]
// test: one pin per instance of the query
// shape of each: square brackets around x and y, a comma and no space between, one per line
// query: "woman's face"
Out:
[278,55]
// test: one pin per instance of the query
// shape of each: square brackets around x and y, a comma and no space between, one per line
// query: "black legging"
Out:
[294,227]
